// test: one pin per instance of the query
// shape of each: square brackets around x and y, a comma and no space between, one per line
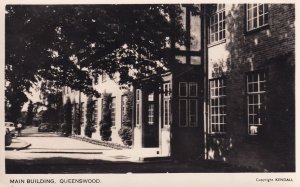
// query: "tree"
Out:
[30,114]
[67,44]
[106,123]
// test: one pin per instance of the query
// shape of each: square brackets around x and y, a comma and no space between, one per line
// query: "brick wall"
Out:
[273,49]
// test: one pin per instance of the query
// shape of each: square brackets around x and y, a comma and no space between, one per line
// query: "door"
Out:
[150,127]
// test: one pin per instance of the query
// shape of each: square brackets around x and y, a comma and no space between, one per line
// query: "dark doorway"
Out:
[150,127]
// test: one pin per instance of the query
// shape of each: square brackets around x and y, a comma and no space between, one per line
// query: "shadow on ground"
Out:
[70,165]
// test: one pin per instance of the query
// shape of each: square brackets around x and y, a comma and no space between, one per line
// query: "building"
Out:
[229,94]
[167,113]
[104,85]
[251,86]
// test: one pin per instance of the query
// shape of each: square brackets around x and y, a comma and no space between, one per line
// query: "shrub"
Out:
[106,123]
[77,120]
[126,135]
[90,118]
[126,130]
[8,138]
[48,127]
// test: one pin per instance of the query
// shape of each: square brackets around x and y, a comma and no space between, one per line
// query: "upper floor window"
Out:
[257,16]
[256,88]
[217,24]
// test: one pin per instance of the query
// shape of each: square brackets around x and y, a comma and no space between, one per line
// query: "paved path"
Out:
[49,145]
[50,153]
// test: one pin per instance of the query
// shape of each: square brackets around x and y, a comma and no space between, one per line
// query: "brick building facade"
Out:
[251,60]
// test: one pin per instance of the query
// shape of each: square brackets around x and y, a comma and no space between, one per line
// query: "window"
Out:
[123,106]
[256,83]
[96,111]
[183,89]
[193,89]
[217,106]
[113,111]
[217,24]
[167,104]
[188,104]
[138,107]
[82,115]
[257,16]
[151,114]
[151,109]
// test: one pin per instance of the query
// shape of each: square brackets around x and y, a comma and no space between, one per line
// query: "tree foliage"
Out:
[62,42]
[66,44]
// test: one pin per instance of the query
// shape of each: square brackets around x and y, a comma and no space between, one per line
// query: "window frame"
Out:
[257,17]
[167,104]
[212,95]
[113,111]
[95,116]
[215,22]
[150,114]
[187,99]
[260,104]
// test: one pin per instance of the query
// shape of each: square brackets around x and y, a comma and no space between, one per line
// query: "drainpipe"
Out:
[79,129]
[205,78]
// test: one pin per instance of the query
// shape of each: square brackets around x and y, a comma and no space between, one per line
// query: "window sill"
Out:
[217,43]
[265,27]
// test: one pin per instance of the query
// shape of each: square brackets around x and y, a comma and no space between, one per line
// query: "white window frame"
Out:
[166,104]
[217,25]
[138,107]
[261,79]
[259,19]
[215,125]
